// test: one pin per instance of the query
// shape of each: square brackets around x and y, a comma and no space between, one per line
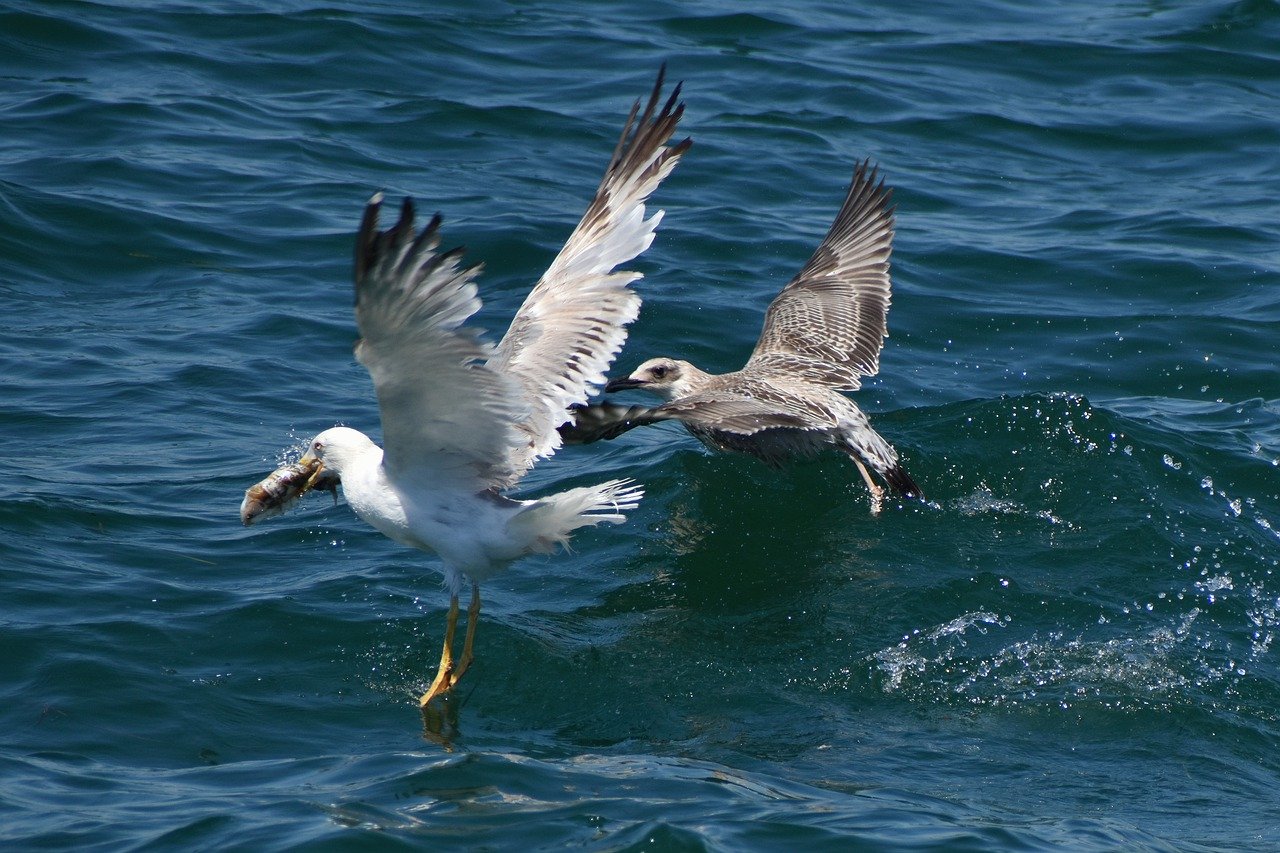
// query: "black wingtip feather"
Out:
[603,422]
[367,236]
[901,483]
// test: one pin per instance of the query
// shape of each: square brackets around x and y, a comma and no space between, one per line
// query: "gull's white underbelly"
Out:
[468,531]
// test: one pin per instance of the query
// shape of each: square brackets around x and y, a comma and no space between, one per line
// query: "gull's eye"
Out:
[658,372]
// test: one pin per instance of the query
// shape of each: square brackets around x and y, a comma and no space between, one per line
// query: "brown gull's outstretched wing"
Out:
[829,323]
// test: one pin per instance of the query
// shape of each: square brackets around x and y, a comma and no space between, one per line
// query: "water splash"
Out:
[909,662]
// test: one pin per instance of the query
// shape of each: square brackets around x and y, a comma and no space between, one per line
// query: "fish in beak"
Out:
[284,486]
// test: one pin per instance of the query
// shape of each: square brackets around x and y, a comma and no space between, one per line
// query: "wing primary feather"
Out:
[428,240]
[605,421]
[366,239]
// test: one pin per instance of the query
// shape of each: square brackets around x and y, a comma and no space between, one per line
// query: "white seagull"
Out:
[821,335]
[463,420]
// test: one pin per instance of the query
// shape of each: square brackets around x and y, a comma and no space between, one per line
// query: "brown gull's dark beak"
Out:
[615,385]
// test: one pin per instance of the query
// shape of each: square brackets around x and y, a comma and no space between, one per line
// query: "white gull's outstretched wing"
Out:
[447,418]
[567,332]
[829,323]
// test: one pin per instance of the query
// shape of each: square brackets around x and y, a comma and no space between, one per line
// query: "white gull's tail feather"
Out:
[550,521]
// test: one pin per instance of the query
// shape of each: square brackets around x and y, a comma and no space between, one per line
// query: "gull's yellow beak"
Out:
[284,486]
[315,466]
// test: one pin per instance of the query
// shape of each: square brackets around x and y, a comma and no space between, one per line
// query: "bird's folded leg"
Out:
[877,493]
[445,677]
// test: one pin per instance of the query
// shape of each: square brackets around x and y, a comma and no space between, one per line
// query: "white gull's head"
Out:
[339,448]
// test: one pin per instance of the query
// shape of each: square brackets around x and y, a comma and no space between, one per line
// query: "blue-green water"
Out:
[1073,646]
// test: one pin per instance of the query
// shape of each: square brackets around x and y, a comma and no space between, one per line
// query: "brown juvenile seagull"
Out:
[821,335]
[464,420]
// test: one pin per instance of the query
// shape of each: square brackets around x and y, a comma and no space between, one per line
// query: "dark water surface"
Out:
[1074,644]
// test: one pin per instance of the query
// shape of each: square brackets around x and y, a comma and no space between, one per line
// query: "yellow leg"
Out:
[877,493]
[444,677]
[450,672]
[473,617]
